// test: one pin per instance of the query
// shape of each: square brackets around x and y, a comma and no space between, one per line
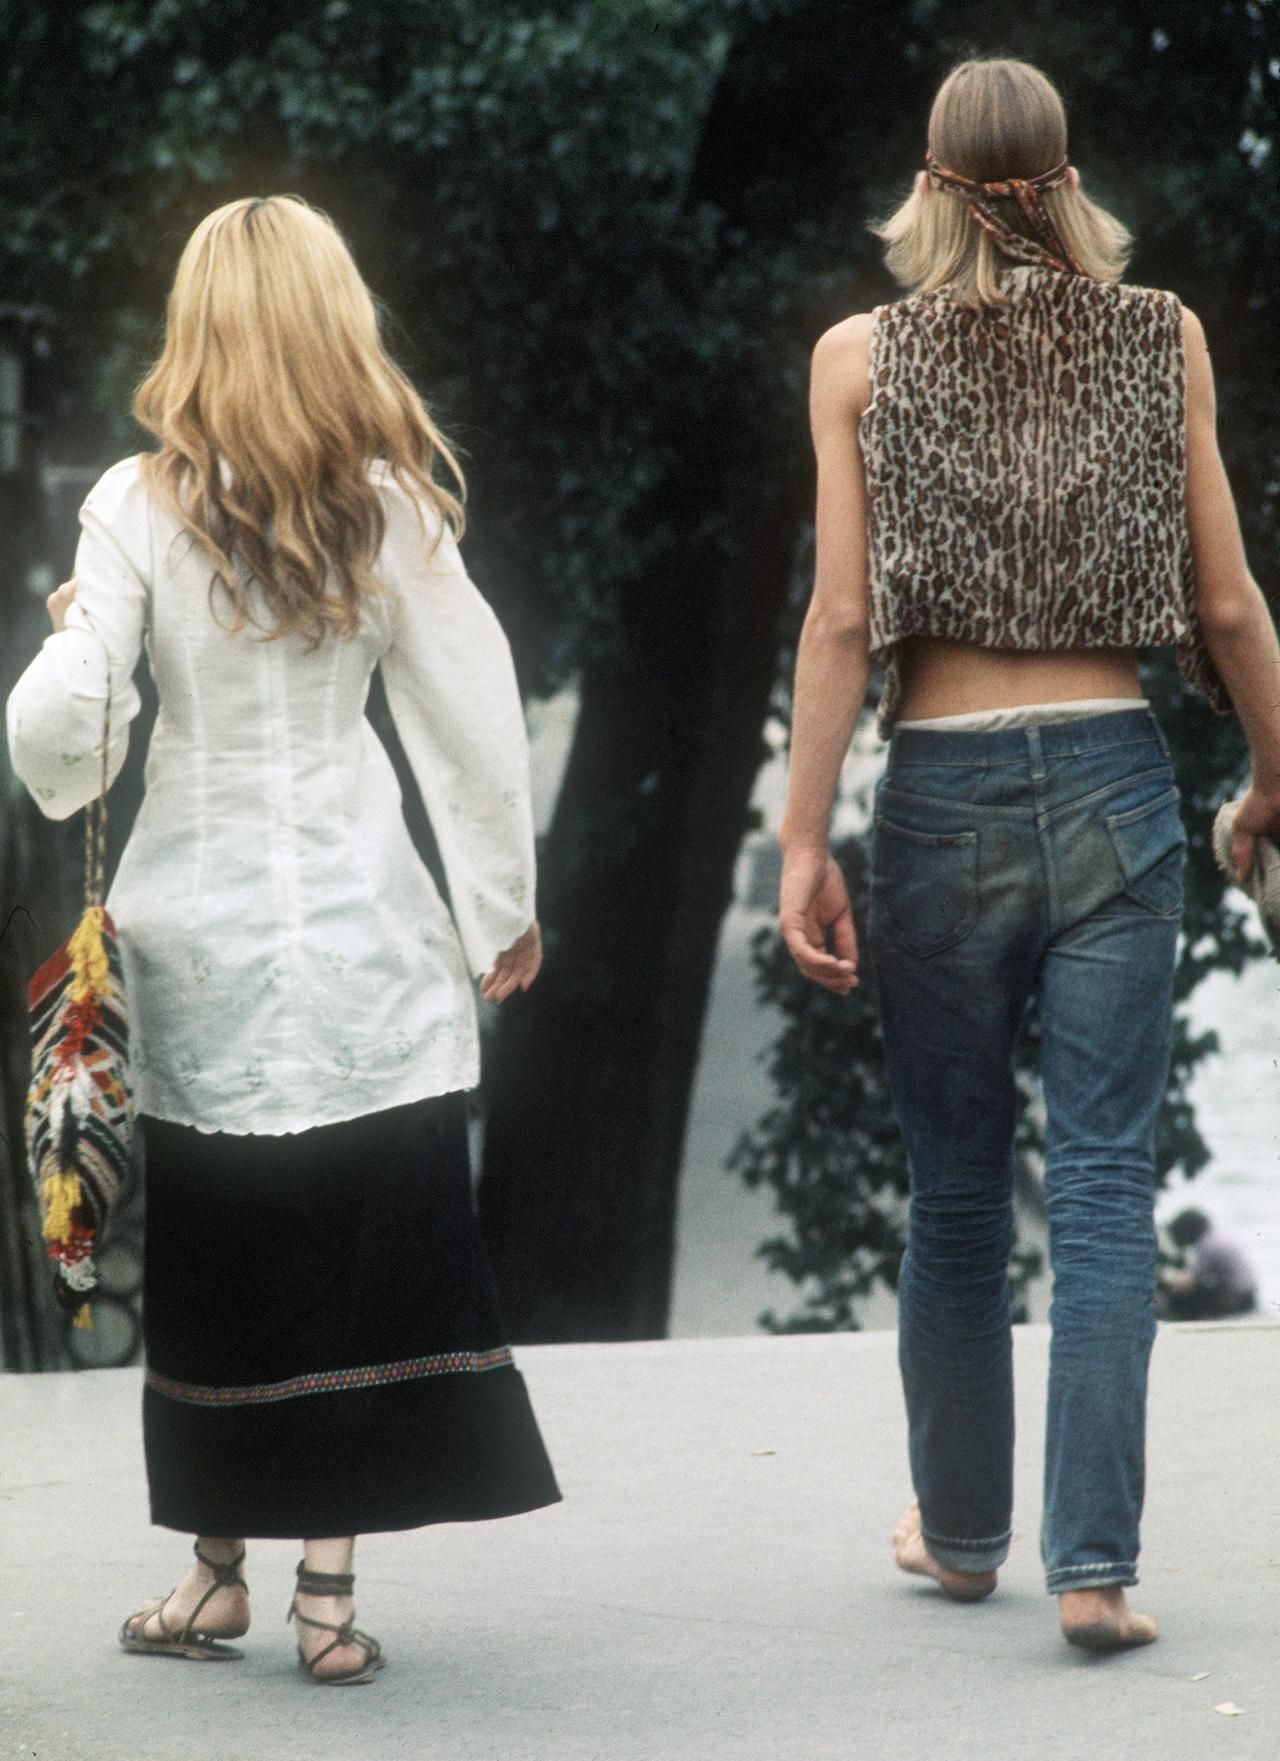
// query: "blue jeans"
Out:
[1043,860]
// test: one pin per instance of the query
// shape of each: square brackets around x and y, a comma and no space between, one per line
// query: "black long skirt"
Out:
[325,1352]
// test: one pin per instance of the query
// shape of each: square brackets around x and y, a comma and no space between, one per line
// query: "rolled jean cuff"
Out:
[972,1556]
[1092,1577]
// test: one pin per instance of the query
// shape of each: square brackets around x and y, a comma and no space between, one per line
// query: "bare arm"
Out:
[1238,628]
[832,664]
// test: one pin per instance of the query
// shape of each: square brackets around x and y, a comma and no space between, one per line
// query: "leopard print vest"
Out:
[1026,475]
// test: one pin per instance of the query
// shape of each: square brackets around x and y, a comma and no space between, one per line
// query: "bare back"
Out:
[943,677]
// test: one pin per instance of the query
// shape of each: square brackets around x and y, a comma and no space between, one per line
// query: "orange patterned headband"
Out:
[1050,252]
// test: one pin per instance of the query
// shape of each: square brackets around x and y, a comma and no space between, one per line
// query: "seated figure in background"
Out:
[1218,1279]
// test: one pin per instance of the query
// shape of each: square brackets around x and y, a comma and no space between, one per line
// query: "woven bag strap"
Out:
[95,821]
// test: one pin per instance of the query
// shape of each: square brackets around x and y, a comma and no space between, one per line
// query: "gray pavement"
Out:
[716,1584]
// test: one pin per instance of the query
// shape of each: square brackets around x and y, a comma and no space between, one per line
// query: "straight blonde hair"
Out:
[994,119]
[272,397]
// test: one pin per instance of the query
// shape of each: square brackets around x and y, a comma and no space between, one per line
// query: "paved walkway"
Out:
[717,1583]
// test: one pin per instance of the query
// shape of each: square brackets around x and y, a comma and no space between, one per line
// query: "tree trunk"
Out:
[591,1071]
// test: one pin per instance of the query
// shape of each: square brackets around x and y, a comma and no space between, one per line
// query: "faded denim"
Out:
[1047,861]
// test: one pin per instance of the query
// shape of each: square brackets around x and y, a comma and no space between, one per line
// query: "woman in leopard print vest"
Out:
[1019,492]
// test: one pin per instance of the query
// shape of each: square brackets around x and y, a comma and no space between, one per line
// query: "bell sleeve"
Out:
[55,713]
[451,688]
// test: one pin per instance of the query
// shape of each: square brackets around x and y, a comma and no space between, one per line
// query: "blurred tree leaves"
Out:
[1173,112]
[506,174]
[611,231]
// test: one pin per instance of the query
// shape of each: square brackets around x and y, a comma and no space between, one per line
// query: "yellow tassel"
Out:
[61,1194]
[82,1317]
[88,955]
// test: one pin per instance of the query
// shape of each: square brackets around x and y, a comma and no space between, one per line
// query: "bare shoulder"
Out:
[1195,348]
[845,344]
[840,361]
[1192,331]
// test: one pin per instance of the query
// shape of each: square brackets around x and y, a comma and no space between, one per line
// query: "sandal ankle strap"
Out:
[344,1631]
[224,1575]
[324,1583]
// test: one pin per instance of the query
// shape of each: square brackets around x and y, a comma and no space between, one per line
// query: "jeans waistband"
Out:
[968,746]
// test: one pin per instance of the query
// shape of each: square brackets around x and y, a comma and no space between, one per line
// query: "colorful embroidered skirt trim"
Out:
[325,1350]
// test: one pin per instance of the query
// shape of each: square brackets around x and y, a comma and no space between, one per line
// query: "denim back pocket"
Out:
[926,885]
[1150,843]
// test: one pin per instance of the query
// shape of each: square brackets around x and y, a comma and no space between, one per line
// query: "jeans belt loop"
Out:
[1037,753]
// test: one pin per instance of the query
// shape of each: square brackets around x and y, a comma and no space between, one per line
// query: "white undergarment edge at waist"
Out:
[1023,715]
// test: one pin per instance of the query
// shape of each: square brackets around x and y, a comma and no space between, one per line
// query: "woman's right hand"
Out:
[515,968]
[1257,816]
[814,903]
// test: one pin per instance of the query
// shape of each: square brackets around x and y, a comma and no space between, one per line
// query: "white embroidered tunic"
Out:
[289,960]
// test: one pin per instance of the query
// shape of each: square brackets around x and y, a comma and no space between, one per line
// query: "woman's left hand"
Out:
[515,968]
[1256,816]
[58,603]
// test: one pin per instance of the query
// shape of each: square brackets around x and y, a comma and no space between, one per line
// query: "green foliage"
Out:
[828,1147]
[611,230]
[513,180]
[1205,204]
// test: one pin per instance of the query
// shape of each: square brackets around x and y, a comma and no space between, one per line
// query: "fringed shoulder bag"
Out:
[80,1112]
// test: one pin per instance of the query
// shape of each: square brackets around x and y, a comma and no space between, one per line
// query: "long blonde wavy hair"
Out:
[272,397]
[994,119]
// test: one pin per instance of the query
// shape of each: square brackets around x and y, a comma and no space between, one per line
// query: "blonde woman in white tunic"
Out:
[325,1353]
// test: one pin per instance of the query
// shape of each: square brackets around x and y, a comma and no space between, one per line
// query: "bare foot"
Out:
[345,1659]
[1101,1620]
[912,1555]
[224,1616]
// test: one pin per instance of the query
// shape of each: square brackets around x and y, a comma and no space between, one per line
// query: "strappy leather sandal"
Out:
[200,1647]
[334,1583]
